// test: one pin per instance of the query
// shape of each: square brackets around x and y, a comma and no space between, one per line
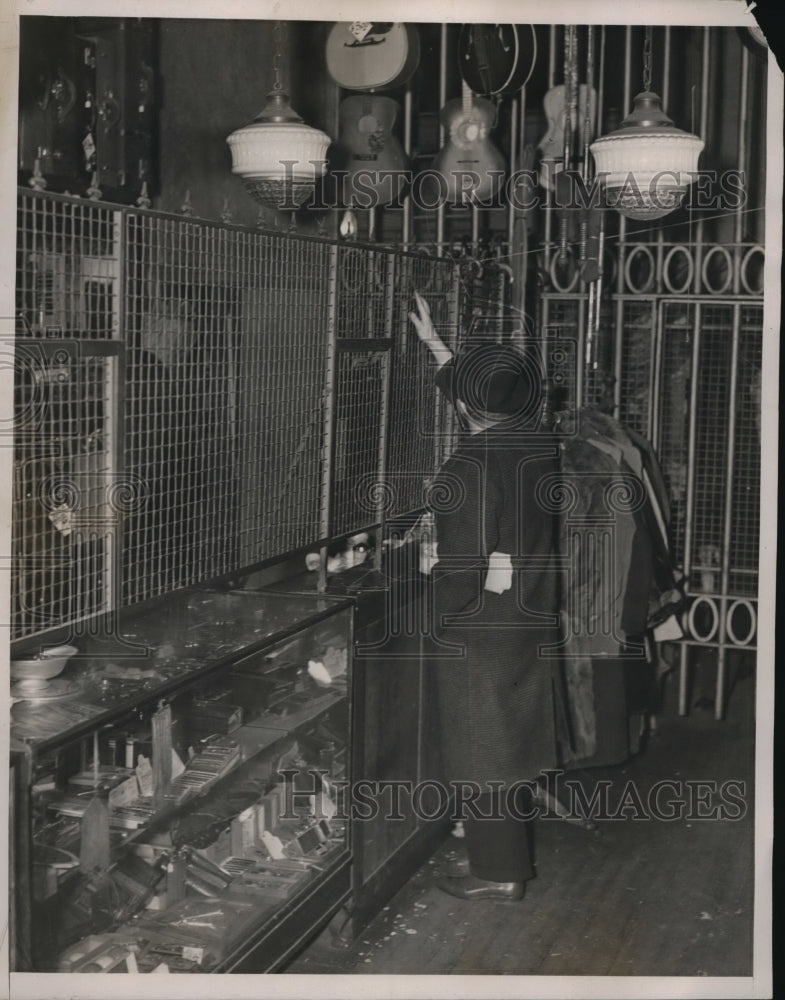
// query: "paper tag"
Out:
[124,793]
[193,954]
[177,765]
[144,775]
[273,844]
[360,29]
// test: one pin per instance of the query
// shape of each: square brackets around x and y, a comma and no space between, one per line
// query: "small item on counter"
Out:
[94,853]
[273,845]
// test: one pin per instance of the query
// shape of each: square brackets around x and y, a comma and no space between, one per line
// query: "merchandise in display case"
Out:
[177,801]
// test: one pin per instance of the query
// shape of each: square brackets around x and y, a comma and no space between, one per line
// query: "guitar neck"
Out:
[467,99]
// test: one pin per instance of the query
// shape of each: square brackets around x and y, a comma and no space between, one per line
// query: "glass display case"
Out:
[176,804]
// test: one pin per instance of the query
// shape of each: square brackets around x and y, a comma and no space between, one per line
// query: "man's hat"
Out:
[496,381]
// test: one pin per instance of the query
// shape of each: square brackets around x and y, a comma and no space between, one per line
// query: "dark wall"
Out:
[215,75]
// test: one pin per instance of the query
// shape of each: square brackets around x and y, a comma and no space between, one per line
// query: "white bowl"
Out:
[49,663]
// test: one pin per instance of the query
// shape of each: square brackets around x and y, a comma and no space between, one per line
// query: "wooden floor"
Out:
[633,898]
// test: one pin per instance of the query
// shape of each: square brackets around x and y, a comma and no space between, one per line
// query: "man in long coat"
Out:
[495,607]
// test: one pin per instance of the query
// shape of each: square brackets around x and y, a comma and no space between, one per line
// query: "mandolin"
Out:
[471,167]
[375,163]
[363,55]
[551,145]
[496,58]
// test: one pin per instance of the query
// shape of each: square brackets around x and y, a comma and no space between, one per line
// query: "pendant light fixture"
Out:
[646,164]
[278,157]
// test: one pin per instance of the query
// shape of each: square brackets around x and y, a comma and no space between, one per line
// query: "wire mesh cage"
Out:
[206,398]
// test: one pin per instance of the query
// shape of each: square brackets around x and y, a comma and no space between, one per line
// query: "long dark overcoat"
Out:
[495,691]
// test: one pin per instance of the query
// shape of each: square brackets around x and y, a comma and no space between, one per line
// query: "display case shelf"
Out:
[177,802]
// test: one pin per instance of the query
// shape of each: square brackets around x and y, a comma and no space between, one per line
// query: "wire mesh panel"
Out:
[636,363]
[672,428]
[364,283]
[414,433]
[745,493]
[243,436]
[709,459]
[67,268]
[63,513]
[360,395]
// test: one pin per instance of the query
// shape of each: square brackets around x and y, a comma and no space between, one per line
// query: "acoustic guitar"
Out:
[496,58]
[363,55]
[471,167]
[376,165]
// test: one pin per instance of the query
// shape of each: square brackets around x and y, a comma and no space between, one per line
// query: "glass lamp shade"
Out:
[278,157]
[647,164]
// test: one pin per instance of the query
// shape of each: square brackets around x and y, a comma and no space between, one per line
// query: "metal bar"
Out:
[580,375]
[552,56]
[666,66]
[328,461]
[514,114]
[704,111]
[442,101]
[743,165]
[691,444]
[719,697]
[407,148]
[654,397]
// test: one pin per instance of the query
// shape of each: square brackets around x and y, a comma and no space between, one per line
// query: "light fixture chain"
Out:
[647,59]
[277,32]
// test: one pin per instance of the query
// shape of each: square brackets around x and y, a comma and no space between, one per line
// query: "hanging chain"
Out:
[277,32]
[647,59]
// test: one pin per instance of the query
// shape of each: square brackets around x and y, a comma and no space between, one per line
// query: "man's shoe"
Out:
[454,868]
[472,887]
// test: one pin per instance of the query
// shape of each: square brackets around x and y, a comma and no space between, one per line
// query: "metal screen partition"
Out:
[686,373]
[194,399]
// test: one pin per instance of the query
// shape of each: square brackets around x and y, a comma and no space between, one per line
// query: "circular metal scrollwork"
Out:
[751,256]
[563,272]
[730,628]
[672,264]
[714,619]
[726,268]
[631,265]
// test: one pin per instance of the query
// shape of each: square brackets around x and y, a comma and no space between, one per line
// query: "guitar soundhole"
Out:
[367,125]
[467,133]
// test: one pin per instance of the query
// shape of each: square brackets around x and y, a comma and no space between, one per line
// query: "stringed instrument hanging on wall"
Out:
[365,55]
[470,168]
[375,165]
[495,59]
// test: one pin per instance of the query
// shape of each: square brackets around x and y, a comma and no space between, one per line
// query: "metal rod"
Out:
[407,148]
[654,401]
[622,219]
[442,101]
[704,113]
[600,85]
[552,56]
[617,353]
[742,144]
[328,466]
[691,441]
[666,66]
[580,374]
[719,697]
[514,161]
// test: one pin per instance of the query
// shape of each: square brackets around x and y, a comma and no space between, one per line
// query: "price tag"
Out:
[360,29]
